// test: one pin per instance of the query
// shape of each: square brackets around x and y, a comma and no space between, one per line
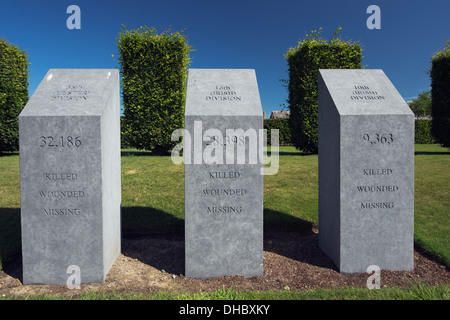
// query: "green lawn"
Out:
[416,292]
[153,197]
[432,200]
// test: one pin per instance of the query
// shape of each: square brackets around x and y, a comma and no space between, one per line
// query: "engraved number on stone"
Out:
[385,138]
[68,141]
[214,140]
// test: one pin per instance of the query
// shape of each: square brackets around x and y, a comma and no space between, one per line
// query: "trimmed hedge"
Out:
[440,95]
[13,93]
[154,73]
[305,60]
[284,132]
[423,132]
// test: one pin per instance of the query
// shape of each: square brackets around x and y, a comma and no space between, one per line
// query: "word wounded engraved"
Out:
[62,194]
[224,192]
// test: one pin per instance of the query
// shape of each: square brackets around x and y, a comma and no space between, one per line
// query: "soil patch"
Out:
[292,261]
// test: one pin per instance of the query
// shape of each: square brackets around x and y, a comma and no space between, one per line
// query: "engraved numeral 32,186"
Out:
[63,142]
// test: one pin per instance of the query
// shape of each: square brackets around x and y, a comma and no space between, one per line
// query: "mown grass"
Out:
[417,291]
[432,201]
[153,198]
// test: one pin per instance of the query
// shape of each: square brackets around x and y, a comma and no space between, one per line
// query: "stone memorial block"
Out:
[70,177]
[223,177]
[366,171]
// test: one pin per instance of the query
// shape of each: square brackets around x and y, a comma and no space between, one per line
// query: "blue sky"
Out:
[233,34]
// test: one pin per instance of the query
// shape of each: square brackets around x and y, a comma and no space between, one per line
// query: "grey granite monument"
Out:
[223,178]
[70,176]
[366,172]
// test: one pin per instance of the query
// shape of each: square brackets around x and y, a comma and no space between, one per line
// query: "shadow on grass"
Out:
[138,222]
[7,154]
[10,242]
[294,238]
[276,222]
[156,238]
[286,153]
[135,153]
[153,237]
[430,153]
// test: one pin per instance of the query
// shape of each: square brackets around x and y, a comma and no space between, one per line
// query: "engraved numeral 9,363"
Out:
[385,138]
[55,142]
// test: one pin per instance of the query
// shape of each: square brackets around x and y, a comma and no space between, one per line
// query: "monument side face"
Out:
[374,175]
[70,192]
[223,181]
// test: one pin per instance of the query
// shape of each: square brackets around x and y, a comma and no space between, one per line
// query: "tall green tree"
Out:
[13,93]
[154,73]
[304,61]
[440,95]
[421,106]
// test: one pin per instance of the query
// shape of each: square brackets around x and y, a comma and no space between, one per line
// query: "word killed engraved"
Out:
[366,171]
[70,93]
[59,193]
[47,141]
[225,201]
[67,129]
[377,139]
[364,92]
[224,192]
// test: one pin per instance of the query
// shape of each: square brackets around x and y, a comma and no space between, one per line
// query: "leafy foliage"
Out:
[13,93]
[154,73]
[305,60]
[421,106]
[284,132]
[423,132]
[440,95]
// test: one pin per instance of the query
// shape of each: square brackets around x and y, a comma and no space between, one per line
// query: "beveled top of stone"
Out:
[363,92]
[72,92]
[223,92]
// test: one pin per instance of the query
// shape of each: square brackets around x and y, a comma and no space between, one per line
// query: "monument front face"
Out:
[223,180]
[366,171]
[70,176]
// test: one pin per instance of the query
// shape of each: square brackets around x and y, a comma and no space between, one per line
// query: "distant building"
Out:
[279,114]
